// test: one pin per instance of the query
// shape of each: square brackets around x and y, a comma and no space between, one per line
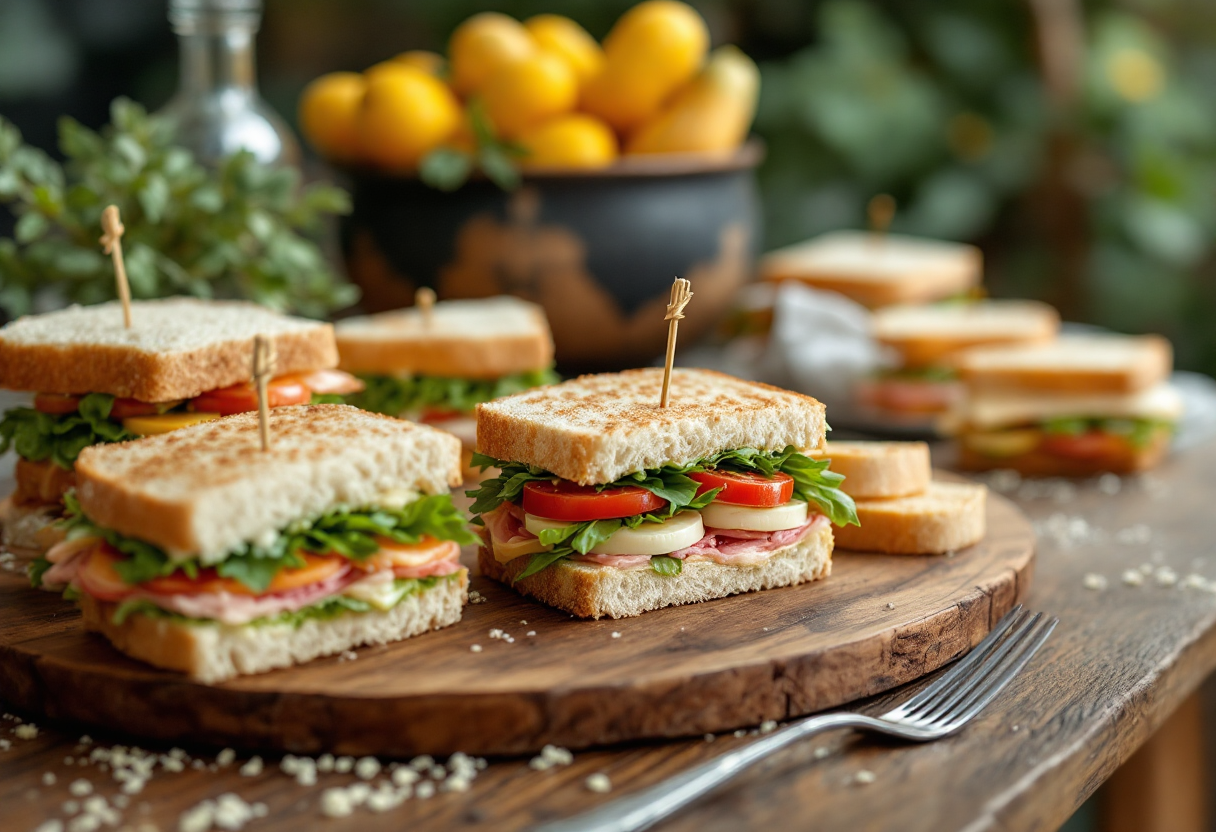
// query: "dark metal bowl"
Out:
[598,250]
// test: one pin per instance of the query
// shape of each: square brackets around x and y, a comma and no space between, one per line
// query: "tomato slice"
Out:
[1094,444]
[56,404]
[316,568]
[126,408]
[565,500]
[98,576]
[337,382]
[243,397]
[437,416]
[747,489]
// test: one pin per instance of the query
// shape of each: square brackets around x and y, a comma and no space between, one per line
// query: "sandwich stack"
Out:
[1075,407]
[902,510]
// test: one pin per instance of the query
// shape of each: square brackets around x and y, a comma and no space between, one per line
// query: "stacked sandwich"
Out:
[183,361]
[609,505]
[901,509]
[201,553]
[436,365]
[1078,406]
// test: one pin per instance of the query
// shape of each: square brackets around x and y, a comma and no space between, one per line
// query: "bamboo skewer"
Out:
[681,294]
[880,211]
[111,243]
[424,299]
[263,367]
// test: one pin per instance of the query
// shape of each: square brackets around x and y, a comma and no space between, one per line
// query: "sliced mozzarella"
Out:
[381,591]
[507,552]
[750,518]
[679,532]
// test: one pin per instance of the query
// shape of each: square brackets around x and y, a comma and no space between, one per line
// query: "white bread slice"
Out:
[879,469]
[593,591]
[926,335]
[203,490]
[595,429]
[878,269]
[213,652]
[947,517]
[176,348]
[479,339]
[1071,364]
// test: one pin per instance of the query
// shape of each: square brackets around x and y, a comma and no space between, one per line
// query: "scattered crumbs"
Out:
[48,778]
[740,734]
[70,807]
[765,629]
[616,634]
[1004,480]
[524,623]
[348,656]
[325,763]
[405,777]
[710,737]
[1095,581]
[343,765]
[28,731]
[80,788]
[530,633]
[1067,531]
[598,783]
[367,768]
[424,790]
[456,784]
[821,752]
[768,726]
[225,757]
[1133,577]
[1110,484]
[1193,581]
[252,767]
[335,803]
[422,762]
[864,777]
[85,740]
[1164,576]
[476,597]
[890,606]
[438,772]
[49,826]
[549,757]
[476,648]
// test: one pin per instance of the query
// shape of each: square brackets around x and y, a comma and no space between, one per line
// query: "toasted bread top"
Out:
[203,490]
[927,334]
[481,339]
[877,270]
[879,469]
[1072,364]
[597,428]
[176,348]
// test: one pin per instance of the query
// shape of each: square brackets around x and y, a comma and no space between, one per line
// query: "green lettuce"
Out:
[36,570]
[394,396]
[344,531]
[39,436]
[1139,433]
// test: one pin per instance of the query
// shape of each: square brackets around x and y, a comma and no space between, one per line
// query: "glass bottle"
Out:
[217,108]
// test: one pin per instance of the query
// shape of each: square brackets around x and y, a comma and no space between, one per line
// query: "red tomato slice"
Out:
[56,404]
[243,397]
[126,408]
[337,382]
[1093,444]
[438,417]
[747,489]
[316,569]
[98,577]
[568,501]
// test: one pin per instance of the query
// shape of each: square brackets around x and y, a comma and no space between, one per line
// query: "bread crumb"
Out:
[530,633]
[551,756]
[710,737]
[1133,577]
[28,731]
[616,635]
[864,778]
[821,752]
[48,778]
[476,648]
[252,767]
[423,762]
[890,606]
[325,763]
[225,757]
[49,826]
[335,803]
[367,768]
[524,623]
[768,726]
[740,734]
[343,765]
[1094,581]
[425,790]
[1164,576]
[405,777]
[80,788]
[598,783]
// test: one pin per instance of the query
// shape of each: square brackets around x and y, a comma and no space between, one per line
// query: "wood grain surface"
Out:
[876,623]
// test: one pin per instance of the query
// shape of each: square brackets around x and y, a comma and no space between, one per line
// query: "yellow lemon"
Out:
[431,63]
[482,45]
[562,36]
[571,141]
[406,113]
[653,50]
[329,112]
[528,92]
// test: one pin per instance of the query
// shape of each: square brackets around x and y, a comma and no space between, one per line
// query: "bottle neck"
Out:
[213,61]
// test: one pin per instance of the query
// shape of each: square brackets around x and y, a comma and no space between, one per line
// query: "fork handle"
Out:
[649,806]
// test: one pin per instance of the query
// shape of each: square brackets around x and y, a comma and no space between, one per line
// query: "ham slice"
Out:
[506,524]
[66,558]
[430,570]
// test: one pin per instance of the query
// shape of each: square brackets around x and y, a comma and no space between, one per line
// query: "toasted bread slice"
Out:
[947,517]
[879,469]
[175,349]
[878,270]
[213,651]
[204,490]
[1072,364]
[479,339]
[927,335]
[595,429]
[589,590]
[1040,463]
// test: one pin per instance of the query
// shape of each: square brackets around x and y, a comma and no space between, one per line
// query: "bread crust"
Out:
[597,428]
[592,591]
[947,517]
[34,356]
[879,469]
[956,327]
[1148,361]
[214,652]
[1038,463]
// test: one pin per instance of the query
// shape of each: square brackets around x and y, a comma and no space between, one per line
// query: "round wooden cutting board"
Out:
[877,622]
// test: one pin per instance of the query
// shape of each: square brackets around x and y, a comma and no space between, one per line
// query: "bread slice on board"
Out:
[212,651]
[478,339]
[947,517]
[595,429]
[175,349]
[206,489]
[590,590]
[926,335]
[1072,364]
[878,269]
[879,469]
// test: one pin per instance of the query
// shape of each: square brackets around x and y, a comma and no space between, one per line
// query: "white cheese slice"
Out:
[679,532]
[791,515]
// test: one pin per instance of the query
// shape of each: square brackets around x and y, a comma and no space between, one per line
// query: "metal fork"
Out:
[939,710]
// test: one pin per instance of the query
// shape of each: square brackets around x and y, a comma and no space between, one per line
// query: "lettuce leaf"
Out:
[39,436]
[36,570]
[1139,433]
[395,396]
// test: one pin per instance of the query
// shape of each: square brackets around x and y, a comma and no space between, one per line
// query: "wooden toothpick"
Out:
[424,299]
[880,211]
[263,368]
[111,244]
[681,294]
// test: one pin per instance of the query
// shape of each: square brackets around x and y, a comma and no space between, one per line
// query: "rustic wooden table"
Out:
[1129,649]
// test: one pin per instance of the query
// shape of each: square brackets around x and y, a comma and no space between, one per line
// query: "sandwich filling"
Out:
[347,560]
[50,435]
[921,391]
[737,507]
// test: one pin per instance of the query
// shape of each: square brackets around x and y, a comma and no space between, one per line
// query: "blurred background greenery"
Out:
[1075,142]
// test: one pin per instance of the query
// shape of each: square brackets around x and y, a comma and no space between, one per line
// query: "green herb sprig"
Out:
[394,396]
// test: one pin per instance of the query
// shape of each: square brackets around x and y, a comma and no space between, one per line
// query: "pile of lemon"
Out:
[546,87]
